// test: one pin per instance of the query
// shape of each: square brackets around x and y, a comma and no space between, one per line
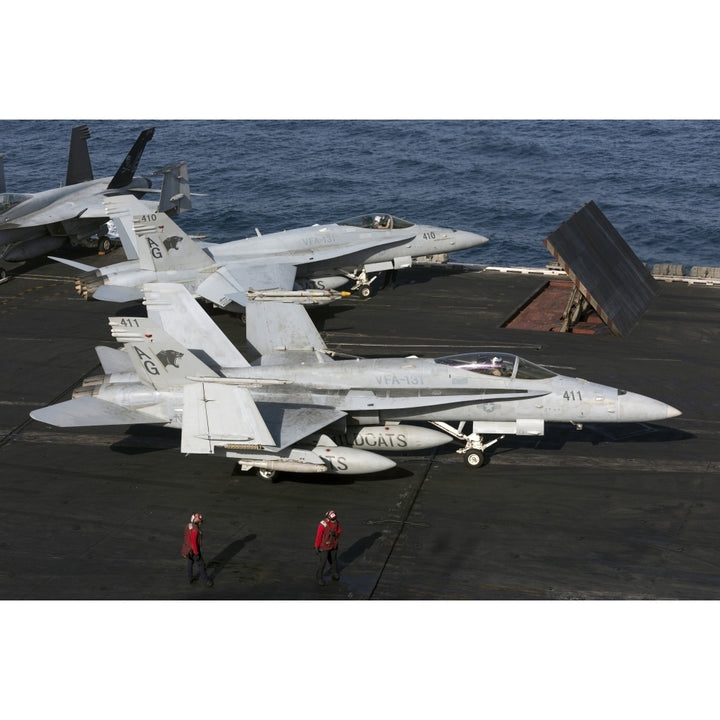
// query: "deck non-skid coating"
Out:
[609,511]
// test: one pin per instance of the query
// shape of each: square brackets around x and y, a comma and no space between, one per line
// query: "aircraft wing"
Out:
[231,282]
[283,333]
[57,212]
[114,360]
[86,411]
[224,415]
[291,423]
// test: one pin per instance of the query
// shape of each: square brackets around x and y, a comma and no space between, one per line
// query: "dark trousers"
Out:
[191,560]
[328,557]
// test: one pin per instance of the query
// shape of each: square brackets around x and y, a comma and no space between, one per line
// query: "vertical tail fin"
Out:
[282,333]
[153,238]
[158,359]
[162,245]
[175,191]
[126,171]
[79,168]
[172,308]
[3,189]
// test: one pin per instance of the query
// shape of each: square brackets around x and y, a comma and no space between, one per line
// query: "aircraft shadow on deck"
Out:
[141,439]
[555,438]
[396,473]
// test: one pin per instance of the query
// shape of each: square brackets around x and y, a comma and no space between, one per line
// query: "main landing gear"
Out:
[474,451]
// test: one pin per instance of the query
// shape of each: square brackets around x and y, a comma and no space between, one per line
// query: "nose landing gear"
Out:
[474,451]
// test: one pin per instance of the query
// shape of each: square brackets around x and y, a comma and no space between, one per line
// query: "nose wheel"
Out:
[473,458]
[474,451]
[361,282]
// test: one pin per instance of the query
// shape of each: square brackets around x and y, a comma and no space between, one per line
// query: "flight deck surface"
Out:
[605,512]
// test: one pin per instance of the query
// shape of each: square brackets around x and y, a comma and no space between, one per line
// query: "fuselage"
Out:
[332,248]
[490,387]
[348,243]
[73,212]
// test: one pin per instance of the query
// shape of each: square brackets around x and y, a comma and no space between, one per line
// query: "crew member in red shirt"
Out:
[192,549]
[326,545]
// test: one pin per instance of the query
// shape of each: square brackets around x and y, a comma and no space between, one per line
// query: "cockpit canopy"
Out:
[377,221]
[497,364]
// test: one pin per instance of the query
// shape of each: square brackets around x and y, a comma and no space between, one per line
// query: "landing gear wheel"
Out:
[266,474]
[364,291]
[104,245]
[474,458]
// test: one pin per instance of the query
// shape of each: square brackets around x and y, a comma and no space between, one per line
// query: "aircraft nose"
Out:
[462,239]
[638,408]
[673,412]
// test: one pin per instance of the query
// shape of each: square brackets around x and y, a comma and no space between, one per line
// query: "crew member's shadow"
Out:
[357,549]
[218,563]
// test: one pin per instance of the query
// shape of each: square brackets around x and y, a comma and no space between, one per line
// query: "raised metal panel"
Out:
[603,267]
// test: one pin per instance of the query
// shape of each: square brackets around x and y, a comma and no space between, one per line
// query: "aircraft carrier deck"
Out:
[605,512]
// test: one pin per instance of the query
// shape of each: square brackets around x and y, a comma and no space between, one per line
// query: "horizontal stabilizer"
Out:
[88,411]
[117,293]
[114,360]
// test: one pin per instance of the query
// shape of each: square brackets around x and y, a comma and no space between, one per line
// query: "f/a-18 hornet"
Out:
[34,224]
[306,265]
[297,409]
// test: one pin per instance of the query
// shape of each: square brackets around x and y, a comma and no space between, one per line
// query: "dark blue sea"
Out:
[658,182]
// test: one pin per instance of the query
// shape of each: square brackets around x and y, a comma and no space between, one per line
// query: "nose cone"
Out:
[638,408]
[462,239]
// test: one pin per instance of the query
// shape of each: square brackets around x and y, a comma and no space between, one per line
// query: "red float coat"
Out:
[328,534]
[192,540]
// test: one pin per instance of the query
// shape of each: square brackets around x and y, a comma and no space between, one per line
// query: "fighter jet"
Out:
[298,409]
[34,224]
[305,265]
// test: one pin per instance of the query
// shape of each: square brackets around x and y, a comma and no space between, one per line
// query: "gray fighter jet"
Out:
[34,224]
[305,265]
[297,409]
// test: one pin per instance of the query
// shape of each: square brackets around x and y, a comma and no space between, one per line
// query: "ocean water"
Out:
[658,182]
